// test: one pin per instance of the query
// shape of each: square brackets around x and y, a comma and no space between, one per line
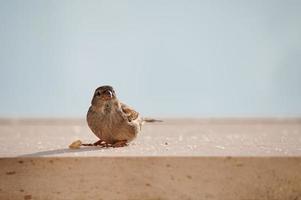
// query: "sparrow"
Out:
[113,122]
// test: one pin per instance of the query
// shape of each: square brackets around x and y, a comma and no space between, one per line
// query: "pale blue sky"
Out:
[165,58]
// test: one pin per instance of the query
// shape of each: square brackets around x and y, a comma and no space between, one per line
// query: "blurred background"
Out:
[167,58]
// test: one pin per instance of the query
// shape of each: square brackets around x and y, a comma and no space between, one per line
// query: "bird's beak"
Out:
[108,95]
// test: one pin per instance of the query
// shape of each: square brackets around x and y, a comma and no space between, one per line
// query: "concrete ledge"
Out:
[176,159]
[173,137]
[151,178]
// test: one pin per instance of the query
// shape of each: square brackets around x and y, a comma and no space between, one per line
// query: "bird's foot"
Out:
[102,143]
[120,143]
[98,143]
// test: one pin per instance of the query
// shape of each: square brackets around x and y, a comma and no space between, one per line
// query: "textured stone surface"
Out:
[181,137]
[177,159]
[182,178]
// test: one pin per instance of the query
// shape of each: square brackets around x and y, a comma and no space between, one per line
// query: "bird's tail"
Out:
[151,120]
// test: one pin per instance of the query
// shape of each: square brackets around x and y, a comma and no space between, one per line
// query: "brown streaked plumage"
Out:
[113,122]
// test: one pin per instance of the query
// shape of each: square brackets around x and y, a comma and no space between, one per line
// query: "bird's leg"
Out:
[120,143]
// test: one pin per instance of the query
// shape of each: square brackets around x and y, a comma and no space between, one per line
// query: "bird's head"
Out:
[103,94]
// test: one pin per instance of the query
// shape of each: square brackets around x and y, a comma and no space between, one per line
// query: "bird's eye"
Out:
[97,93]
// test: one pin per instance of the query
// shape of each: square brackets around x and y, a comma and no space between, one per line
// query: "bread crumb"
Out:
[75,145]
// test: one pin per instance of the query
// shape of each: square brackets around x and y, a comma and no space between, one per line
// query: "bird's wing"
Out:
[129,112]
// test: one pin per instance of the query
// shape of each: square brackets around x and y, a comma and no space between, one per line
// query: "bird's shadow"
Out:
[61,151]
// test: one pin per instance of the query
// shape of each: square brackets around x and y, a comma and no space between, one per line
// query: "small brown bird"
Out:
[113,122]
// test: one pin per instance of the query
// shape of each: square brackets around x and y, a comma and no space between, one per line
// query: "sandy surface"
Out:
[173,137]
